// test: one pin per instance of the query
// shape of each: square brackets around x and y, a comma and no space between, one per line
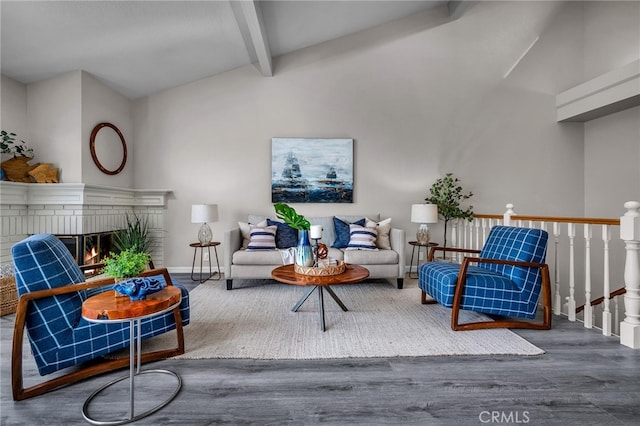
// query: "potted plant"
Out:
[15,155]
[126,264]
[448,195]
[135,235]
[304,252]
[291,217]
[9,144]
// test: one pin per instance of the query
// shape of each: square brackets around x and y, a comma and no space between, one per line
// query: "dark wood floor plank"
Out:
[583,378]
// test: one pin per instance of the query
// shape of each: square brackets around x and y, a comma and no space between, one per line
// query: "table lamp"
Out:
[424,214]
[204,213]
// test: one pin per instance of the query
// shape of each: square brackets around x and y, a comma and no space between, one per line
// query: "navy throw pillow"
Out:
[343,234]
[286,236]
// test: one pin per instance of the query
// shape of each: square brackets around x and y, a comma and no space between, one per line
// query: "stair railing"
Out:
[565,241]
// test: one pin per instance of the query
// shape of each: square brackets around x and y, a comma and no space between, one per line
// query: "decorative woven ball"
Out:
[323,251]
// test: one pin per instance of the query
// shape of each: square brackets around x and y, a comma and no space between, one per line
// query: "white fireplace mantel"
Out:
[15,193]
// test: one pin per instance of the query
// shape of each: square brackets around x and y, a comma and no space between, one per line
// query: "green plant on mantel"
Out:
[10,144]
[126,264]
[289,215]
[447,194]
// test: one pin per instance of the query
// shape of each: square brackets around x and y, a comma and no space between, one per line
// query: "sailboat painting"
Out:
[305,170]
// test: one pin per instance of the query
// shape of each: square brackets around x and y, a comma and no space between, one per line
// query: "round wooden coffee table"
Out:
[352,275]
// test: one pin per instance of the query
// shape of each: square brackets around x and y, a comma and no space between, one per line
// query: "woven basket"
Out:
[8,296]
[320,271]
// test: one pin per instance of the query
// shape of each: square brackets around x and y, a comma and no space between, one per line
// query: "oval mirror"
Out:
[105,150]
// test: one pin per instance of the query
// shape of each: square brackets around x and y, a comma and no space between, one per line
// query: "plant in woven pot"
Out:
[15,155]
[448,195]
[304,252]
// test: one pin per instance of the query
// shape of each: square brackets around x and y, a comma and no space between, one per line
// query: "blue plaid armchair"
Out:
[505,278]
[51,290]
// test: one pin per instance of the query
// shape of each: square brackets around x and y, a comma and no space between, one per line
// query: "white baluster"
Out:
[571,301]
[557,303]
[588,309]
[454,239]
[466,234]
[486,223]
[507,215]
[477,230]
[606,314]
[616,309]
[630,234]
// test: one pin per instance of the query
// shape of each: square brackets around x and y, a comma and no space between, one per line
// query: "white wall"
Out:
[612,163]
[54,112]
[612,143]
[102,104]
[418,105]
[56,117]
[421,97]
[13,108]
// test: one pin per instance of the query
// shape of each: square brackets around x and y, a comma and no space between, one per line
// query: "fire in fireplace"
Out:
[88,249]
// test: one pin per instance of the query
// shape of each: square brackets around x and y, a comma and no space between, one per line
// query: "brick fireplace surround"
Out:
[75,209]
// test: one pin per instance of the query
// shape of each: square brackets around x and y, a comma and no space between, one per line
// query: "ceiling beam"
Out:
[457,7]
[249,17]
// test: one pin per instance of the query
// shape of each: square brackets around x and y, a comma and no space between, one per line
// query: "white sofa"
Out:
[246,264]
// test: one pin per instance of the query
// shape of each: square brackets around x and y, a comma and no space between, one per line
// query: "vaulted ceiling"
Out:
[143,47]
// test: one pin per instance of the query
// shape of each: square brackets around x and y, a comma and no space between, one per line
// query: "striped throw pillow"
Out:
[262,238]
[384,230]
[362,238]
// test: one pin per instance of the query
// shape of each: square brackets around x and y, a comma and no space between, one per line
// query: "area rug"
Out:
[255,321]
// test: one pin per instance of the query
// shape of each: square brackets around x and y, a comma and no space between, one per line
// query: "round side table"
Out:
[207,246]
[107,308]
[419,246]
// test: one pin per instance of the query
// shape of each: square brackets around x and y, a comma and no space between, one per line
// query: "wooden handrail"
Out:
[599,300]
[488,216]
[559,219]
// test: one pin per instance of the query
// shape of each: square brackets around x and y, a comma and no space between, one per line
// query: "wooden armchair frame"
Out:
[507,323]
[17,384]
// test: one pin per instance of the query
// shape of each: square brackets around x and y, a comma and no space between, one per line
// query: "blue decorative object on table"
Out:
[304,253]
[139,288]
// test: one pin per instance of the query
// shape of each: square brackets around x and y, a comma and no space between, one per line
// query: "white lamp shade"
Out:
[424,213]
[204,213]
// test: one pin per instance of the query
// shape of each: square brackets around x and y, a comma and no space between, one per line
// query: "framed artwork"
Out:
[305,170]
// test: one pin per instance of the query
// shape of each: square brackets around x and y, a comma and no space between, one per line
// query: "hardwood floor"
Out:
[583,379]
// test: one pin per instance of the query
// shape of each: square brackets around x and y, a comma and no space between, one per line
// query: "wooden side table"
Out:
[208,246]
[419,246]
[107,308]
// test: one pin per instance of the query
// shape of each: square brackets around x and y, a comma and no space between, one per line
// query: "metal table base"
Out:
[134,370]
[320,302]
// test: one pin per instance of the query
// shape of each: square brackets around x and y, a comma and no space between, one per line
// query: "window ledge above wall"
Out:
[614,91]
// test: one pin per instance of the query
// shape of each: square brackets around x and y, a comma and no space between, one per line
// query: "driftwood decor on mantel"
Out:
[18,169]
[44,173]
